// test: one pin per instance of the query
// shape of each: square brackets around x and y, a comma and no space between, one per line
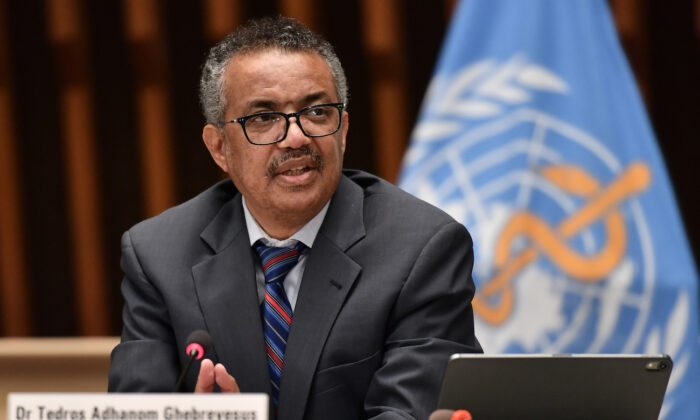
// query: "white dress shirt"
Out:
[306,235]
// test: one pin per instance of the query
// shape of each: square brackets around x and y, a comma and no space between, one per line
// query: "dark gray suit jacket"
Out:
[385,300]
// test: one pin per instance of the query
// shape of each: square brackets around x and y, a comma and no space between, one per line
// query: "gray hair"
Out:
[267,33]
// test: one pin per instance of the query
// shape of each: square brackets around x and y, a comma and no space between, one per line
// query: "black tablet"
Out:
[556,386]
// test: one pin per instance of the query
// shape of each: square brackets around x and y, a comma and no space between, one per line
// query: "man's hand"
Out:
[210,374]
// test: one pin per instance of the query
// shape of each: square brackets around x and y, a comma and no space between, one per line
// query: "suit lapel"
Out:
[226,289]
[328,277]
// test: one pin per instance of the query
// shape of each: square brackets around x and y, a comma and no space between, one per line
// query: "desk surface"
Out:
[78,364]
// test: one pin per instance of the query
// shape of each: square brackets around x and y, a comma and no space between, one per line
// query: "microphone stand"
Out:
[181,379]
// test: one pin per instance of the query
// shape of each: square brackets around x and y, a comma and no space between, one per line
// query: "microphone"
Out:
[443,414]
[197,343]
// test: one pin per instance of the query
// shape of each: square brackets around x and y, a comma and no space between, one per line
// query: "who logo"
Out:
[564,257]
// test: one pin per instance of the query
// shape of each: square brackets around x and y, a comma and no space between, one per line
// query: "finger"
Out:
[205,379]
[226,382]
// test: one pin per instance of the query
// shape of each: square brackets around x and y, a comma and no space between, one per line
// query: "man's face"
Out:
[285,183]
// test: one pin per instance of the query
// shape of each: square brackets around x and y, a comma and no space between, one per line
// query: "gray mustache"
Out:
[292,154]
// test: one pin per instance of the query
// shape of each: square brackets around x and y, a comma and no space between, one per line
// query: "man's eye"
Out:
[263,118]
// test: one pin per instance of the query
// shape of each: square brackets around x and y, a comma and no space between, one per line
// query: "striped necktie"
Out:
[277,312]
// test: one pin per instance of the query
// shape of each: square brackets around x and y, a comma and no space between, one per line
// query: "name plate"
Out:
[101,406]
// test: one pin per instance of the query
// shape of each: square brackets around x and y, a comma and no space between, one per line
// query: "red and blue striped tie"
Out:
[277,312]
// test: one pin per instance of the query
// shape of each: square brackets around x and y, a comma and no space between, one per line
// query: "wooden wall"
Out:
[100,124]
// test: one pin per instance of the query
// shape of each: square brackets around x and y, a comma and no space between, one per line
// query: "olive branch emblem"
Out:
[482,90]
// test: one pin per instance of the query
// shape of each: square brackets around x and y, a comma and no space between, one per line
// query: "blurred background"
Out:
[100,123]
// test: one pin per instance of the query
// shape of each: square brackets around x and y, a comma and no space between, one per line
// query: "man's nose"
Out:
[295,137]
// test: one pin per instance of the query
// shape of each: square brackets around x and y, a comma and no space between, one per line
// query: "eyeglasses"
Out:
[270,127]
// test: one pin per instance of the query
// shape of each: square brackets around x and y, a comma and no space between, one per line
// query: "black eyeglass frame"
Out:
[242,120]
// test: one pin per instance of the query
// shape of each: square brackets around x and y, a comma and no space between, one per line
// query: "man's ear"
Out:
[214,140]
[344,128]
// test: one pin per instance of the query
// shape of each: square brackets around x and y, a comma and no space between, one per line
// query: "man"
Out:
[368,290]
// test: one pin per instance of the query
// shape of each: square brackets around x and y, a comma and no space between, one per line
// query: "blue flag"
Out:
[533,135]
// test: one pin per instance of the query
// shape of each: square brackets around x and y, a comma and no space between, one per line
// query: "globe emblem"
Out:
[527,164]
[498,171]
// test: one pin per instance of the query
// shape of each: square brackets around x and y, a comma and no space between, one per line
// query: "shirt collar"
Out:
[306,235]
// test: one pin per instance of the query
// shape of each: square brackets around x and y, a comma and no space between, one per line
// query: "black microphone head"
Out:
[198,341]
